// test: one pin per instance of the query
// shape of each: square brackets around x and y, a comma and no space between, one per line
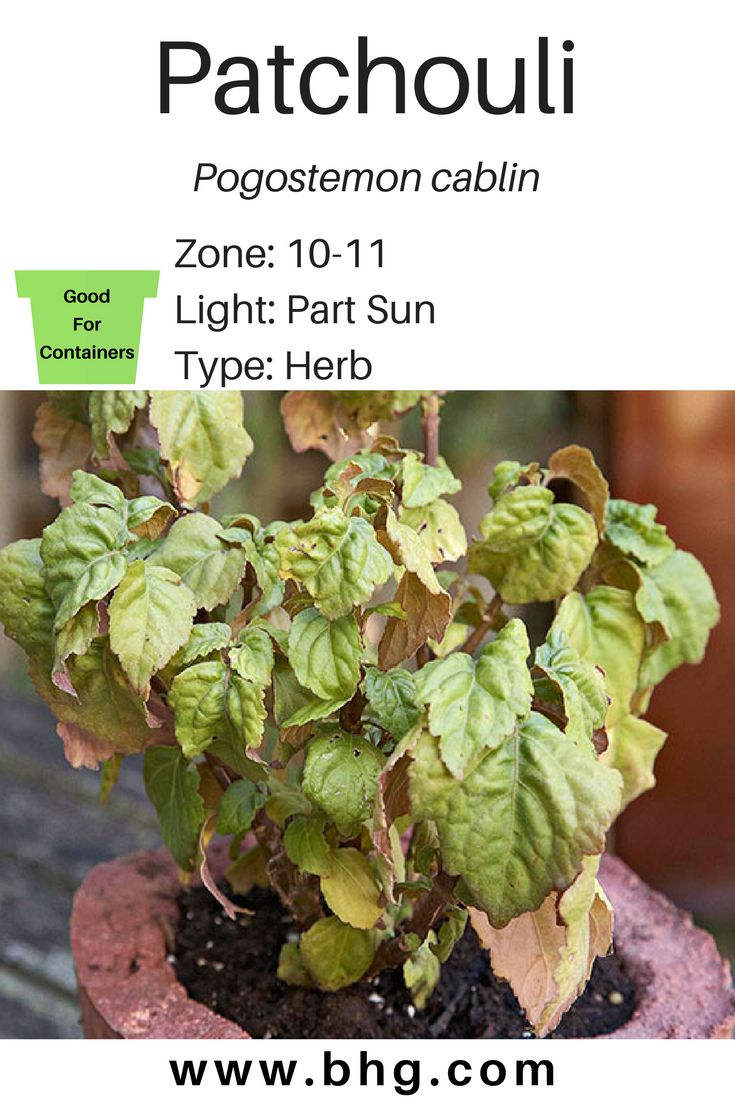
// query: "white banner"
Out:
[584,241]
[273,1070]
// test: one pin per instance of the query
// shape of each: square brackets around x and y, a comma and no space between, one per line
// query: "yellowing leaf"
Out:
[336,558]
[203,439]
[421,971]
[633,530]
[210,566]
[151,616]
[423,484]
[582,685]
[679,593]
[439,528]
[336,954]
[26,610]
[253,656]
[351,890]
[112,411]
[105,704]
[531,549]
[632,749]
[606,630]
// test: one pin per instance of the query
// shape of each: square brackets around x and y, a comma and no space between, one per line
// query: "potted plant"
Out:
[392,780]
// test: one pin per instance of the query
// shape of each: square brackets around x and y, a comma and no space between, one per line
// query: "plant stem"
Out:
[493,619]
[297,891]
[430,422]
[426,912]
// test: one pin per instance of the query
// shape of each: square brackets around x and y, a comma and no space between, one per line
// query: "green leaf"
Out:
[245,710]
[77,634]
[521,822]
[633,530]
[505,474]
[633,745]
[449,933]
[341,776]
[423,484]
[582,685]
[519,519]
[678,592]
[148,516]
[202,641]
[336,558]
[314,709]
[90,490]
[606,630]
[439,528]
[547,956]
[112,411]
[26,610]
[266,562]
[351,890]
[305,845]
[392,697]
[151,616]
[82,556]
[210,701]
[421,971]
[285,800]
[475,705]
[210,567]
[531,549]
[238,806]
[253,655]
[325,654]
[172,786]
[336,954]
[203,439]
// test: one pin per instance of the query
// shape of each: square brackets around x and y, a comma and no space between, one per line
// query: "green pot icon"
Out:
[87,325]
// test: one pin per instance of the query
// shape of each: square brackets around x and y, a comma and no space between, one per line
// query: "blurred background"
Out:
[676,449]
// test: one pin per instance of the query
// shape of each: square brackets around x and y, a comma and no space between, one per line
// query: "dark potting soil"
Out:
[231,967]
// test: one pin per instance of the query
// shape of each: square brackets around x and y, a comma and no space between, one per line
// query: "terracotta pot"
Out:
[125,911]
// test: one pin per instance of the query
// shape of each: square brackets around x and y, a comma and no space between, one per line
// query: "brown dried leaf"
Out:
[231,909]
[81,749]
[427,617]
[313,419]
[577,465]
[64,445]
[547,955]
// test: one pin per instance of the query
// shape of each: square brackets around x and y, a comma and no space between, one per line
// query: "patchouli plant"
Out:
[367,726]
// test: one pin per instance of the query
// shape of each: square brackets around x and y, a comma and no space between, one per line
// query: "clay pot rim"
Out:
[126,909]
